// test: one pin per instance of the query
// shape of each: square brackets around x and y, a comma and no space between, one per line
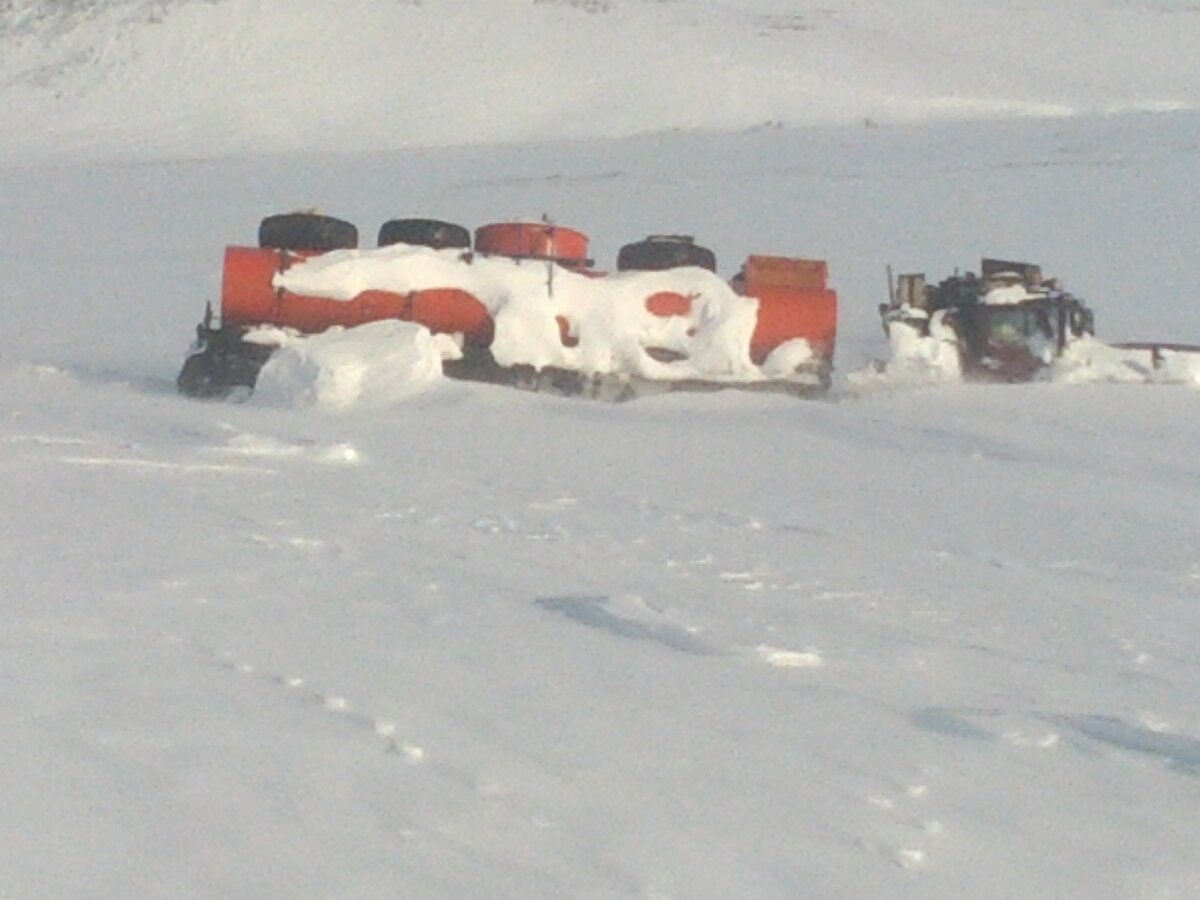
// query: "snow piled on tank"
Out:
[374,365]
[608,328]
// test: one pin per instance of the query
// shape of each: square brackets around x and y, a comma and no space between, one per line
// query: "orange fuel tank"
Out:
[249,297]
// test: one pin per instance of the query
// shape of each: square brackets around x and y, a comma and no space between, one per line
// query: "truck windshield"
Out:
[1015,325]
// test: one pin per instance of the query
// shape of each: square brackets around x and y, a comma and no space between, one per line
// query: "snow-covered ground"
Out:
[86,79]
[462,641]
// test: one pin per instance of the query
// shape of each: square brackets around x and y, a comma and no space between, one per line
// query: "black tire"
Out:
[424,233]
[307,231]
[660,252]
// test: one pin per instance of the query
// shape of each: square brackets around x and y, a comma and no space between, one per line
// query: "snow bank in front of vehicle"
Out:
[549,316]
[1089,361]
[935,359]
[915,358]
[375,365]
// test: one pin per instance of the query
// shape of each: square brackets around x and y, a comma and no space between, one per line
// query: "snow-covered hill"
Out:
[147,78]
[467,642]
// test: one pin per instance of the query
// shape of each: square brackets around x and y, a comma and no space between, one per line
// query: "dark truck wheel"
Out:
[307,231]
[665,251]
[424,233]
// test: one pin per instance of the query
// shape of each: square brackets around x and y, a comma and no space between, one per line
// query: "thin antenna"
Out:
[549,261]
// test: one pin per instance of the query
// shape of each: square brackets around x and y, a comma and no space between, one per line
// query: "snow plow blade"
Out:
[1158,352]
[527,309]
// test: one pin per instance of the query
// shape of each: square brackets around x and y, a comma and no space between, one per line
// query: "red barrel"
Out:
[534,240]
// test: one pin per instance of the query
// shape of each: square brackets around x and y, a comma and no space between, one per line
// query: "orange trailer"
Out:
[793,302]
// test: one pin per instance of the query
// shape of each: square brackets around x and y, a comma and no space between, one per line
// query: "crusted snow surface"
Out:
[607,319]
[171,78]
[934,644]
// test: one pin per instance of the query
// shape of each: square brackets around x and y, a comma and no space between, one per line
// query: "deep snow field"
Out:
[913,641]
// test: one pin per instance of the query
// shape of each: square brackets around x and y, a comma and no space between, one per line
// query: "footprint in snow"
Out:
[904,831]
[333,703]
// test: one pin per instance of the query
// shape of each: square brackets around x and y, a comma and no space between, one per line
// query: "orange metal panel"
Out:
[764,273]
[784,315]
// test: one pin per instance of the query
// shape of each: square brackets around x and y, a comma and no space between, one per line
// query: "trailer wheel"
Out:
[424,233]
[665,251]
[307,231]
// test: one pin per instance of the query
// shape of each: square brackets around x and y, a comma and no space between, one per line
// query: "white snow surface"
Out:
[84,79]
[914,642]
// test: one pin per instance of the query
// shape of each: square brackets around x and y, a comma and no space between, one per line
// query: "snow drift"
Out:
[374,365]
[196,78]
[920,361]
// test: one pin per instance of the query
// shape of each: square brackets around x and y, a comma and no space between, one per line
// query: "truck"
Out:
[1006,323]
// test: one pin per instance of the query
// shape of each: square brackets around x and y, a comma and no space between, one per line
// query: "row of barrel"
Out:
[317,233]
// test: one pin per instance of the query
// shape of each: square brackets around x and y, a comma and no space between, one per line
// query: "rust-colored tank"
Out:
[249,298]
